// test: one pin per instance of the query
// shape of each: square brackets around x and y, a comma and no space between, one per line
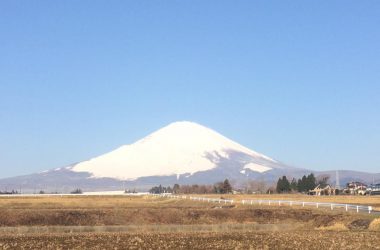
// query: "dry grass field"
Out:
[146,222]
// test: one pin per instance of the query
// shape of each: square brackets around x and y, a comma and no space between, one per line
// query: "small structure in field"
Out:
[323,190]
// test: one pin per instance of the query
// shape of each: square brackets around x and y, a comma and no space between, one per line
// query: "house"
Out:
[355,187]
[323,190]
[374,189]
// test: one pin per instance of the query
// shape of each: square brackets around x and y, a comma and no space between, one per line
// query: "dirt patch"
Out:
[223,207]
[359,224]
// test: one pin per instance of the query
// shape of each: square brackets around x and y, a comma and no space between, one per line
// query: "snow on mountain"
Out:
[179,148]
[257,167]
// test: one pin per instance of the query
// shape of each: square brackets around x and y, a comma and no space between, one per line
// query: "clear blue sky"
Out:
[296,80]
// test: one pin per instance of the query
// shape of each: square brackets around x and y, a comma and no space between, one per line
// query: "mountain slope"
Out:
[180,148]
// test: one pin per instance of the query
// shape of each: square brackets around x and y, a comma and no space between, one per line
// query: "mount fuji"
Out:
[181,149]
[182,152]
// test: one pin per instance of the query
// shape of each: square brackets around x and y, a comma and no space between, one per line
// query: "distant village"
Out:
[320,186]
[352,188]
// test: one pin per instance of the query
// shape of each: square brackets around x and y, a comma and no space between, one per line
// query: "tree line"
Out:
[223,187]
[9,192]
[302,185]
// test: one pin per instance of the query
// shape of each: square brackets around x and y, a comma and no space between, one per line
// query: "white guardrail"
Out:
[331,206]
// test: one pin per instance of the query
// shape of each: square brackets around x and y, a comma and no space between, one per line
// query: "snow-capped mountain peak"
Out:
[179,148]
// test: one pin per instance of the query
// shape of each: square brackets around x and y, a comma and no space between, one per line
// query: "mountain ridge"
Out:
[182,152]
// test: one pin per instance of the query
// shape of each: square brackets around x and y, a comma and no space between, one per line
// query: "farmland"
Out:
[140,222]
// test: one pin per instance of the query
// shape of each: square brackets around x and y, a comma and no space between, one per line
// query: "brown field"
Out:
[145,222]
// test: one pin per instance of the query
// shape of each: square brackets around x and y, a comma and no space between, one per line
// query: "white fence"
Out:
[203,199]
[331,206]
